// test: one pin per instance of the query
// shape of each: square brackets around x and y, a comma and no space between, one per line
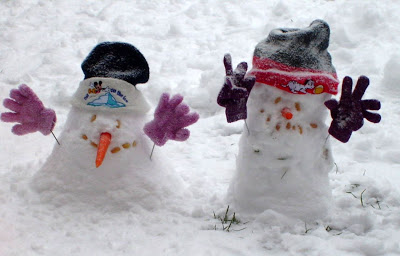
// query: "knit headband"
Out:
[295,80]
[109,94]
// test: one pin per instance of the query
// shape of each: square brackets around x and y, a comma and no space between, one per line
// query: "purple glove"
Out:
[348,114]
[28,111]
[170,118]
[235,91]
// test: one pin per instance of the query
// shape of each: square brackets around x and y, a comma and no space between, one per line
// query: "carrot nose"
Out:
[104,142]
[286,113]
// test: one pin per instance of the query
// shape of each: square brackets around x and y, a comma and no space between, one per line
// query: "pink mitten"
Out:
[170,118]
[29,112]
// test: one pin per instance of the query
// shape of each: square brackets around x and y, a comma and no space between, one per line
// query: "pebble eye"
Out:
[93,118]
[297,106]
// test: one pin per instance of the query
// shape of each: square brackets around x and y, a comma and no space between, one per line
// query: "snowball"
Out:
[391,80]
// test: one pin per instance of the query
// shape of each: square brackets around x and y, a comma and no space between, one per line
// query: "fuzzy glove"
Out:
[28,111]
[348,114]
[235,91]
[170,118]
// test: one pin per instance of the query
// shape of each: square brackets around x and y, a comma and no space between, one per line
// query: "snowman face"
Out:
[111,134]
[86,131]
[110,127]
[279,111]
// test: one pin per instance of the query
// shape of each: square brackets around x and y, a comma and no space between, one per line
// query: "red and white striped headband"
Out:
[295,80]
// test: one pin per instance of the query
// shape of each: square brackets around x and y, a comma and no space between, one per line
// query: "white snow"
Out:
[283,164]
[126,180]
[43,44]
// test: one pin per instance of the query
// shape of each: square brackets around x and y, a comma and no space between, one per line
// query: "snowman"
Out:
[284,154]
[103,157]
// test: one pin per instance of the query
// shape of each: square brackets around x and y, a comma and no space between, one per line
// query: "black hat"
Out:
[116,60]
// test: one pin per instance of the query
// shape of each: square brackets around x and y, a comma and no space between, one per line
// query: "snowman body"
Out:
[283,164]
[127,177]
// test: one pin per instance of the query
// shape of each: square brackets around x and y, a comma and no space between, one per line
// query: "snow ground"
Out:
[43,44]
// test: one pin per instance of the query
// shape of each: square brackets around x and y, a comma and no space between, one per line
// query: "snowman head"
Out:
[108,92]
[296,60]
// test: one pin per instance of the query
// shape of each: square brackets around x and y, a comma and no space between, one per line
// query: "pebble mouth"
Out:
[114,150]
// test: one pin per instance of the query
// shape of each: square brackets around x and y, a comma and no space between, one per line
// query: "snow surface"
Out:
[43,44]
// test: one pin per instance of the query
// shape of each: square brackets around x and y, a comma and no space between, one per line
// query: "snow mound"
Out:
[126,179]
